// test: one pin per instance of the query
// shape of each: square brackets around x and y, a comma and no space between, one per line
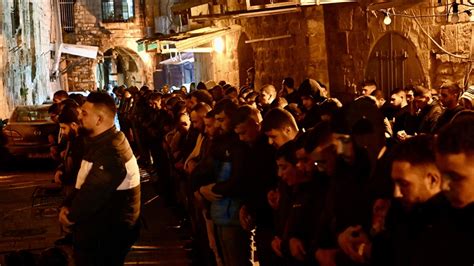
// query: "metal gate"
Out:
[393,63]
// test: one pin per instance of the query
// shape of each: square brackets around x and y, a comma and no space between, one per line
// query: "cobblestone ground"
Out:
[28,213]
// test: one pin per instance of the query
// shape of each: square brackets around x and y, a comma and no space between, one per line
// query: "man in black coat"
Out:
[103,212]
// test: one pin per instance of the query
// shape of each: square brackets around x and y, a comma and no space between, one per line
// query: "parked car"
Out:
[30,132]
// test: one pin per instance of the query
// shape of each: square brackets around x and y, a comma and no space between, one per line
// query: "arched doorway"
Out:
[393,63]
[121,66]
[245,57]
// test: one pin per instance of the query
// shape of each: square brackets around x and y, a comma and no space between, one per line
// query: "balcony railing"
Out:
[67,15]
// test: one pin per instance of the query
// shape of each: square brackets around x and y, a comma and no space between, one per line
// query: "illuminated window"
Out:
[117,10]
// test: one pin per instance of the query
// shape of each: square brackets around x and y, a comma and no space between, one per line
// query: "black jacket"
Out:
[107,195]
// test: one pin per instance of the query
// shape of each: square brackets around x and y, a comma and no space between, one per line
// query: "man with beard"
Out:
[417,205]
[103,212]
[71,161]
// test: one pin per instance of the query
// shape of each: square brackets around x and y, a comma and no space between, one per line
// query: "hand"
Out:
[245,219]
[353,242]
[402,135]
[276,246]
[297,249]
[57,177]
[206,191]
[326,257]
[63,219]
[273,197]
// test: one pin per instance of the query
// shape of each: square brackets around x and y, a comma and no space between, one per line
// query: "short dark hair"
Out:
[102,100]
[420,91]
[201,107]
[289,82]
[55,108]
[61,94]
[369,82]
[288,152]
[457,136]
[278,118]
[397,91]
[418,150]
[227,106]
[69,115]
[203,96]
[317,135]
[452,87]
[154,96]
[243,114]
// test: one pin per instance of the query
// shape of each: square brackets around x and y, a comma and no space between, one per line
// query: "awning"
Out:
[187,4]
[187,41]
[179,59]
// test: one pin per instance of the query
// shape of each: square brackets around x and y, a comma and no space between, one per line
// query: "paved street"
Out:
[29,221]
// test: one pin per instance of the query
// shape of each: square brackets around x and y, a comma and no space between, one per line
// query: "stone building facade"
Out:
[25,57]
[352,35]
[116,40]
[344,44]
[278,46]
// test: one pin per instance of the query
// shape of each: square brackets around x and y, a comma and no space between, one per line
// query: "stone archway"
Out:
[245,57]
[394,63]
[122,66]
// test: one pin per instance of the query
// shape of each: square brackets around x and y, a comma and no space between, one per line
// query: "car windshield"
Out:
[31,114]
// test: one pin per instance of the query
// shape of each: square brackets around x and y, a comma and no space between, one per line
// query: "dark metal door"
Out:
[393,63]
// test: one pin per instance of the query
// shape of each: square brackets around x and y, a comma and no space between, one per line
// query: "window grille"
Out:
[117,10]
[67,15]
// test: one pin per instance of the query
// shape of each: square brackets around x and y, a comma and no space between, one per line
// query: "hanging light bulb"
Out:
[387,20]
[455,16]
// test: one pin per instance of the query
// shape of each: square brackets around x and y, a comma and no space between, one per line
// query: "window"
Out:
[67,15]
[117,10]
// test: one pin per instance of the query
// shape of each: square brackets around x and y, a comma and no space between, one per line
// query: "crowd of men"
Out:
[309,180]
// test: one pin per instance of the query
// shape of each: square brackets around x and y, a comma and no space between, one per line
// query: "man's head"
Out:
[286,163]
[304,161]
[422,97]
[449,95]
[467,98]
[210,127]
[246,123]
[288,83]
[279,126]
[200,96]
[69,123]
[268,94]
[154,100]
[223,112]
[310,93]
[414,171]
[398,98]
[60,96]
[455,159]
[368,87]
[98,113]
[197,115]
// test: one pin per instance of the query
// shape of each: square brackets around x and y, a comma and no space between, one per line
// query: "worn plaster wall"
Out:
[351,34]
[24,47]
[301,55]
[90,30]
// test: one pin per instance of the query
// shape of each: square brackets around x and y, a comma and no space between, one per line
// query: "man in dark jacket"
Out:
[103,213]
[398,229]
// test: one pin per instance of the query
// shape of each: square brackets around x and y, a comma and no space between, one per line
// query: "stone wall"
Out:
[90,30]
[351,34]
[25,44]
[300,56]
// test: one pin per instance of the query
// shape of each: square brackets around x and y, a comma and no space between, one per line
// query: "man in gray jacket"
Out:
[103,212]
